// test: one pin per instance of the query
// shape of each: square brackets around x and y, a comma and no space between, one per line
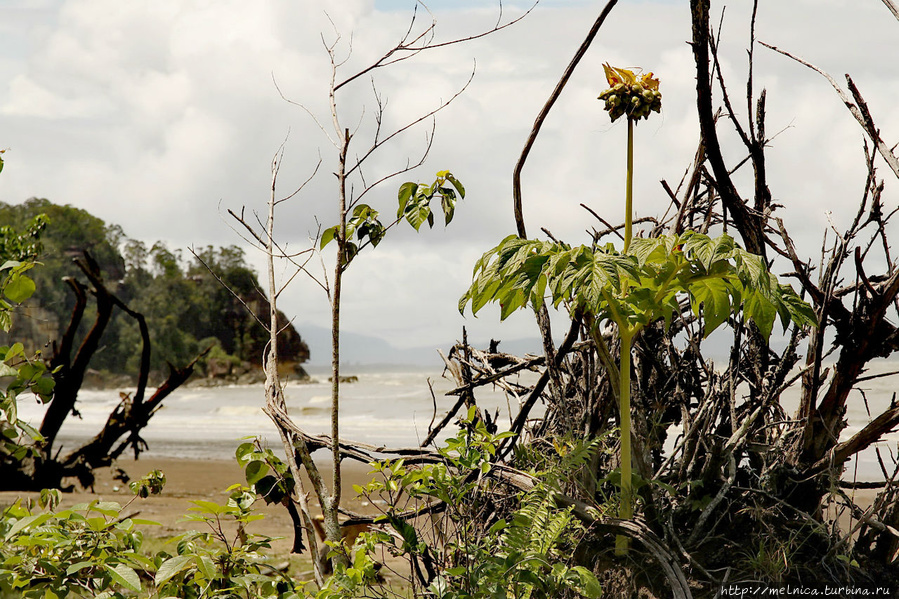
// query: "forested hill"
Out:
[186,308]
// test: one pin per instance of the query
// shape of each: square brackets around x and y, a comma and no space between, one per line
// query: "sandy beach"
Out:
[188,480]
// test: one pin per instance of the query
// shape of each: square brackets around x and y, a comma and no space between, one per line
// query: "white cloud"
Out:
[151,115]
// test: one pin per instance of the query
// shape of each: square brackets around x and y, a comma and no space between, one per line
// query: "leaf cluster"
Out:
[364,224]
[641,286]
[20,374]
[213,564]
[415,200]
[269,476]
[414,206]
[88,550]
[25,246]
[15,287]
[93,550]
[525,553]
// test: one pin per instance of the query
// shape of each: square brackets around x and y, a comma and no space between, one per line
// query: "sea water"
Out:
[392,408]
[389,407]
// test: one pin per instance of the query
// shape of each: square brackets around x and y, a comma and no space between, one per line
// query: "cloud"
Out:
[159,116]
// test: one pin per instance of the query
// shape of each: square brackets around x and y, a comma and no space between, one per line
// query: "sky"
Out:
[160,116]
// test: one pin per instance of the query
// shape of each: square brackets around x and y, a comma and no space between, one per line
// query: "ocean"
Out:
[384,407]
[391,407]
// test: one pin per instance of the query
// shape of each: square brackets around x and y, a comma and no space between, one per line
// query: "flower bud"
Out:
[629,94]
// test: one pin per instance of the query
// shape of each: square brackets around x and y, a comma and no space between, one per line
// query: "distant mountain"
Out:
[367,350]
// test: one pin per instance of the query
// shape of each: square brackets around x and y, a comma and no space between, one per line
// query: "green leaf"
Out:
[206,566]
[19,288]
[125,576]
[328,236]
[713,294]
[26,522]
[760,310]
[497,527]
[406,192]
[170,568]
[448,204]
[798,311]
[270,489]
[456,184]
[17,349]
[589,583]
[209,507]
[255,471]
[418,212]
[77,567]
[243,453]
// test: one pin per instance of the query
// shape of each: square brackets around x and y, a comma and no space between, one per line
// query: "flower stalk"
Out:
[635,97]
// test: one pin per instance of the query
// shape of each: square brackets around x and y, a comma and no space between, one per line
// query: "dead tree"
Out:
[353,184]
[48,468]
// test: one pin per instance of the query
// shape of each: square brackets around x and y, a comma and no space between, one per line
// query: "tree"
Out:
[358,226]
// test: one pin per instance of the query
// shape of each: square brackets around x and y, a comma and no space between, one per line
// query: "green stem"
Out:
[626,508]
[629,193]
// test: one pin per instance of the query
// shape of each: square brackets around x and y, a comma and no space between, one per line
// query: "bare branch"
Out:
[411,124]
[889,4]
[544,112]
[426,38]
[860,111]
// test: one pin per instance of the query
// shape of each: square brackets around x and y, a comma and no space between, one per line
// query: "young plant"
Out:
[635,98]
[634,289]
[219,563]
[88,550]
[525,551]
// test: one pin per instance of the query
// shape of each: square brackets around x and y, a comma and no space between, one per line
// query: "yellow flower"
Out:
[648,82]
[615,75]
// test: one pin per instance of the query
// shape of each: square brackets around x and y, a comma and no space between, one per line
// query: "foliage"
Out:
[214,564]
[184,304]
[415,200]
[414,205]
[94,550]
[634,289]
[269,475]
[88,550]
[25,246]
[19,374]
[524,550]
[639,287]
